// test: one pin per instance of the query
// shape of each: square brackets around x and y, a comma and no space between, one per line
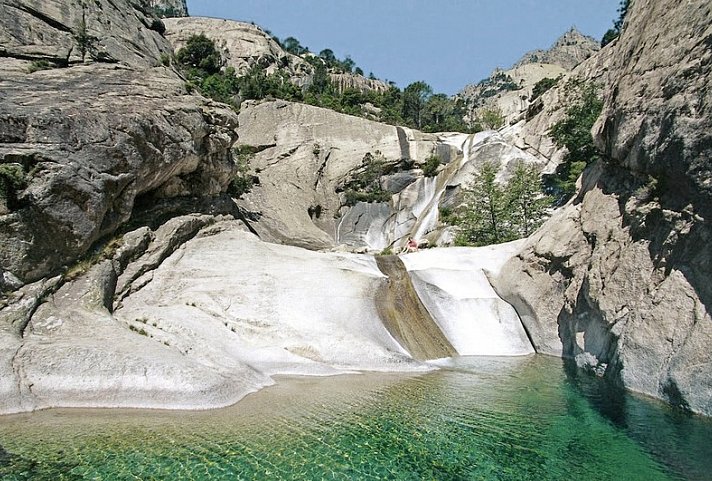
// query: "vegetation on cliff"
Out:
[613,33]
[415,106]
[574,133]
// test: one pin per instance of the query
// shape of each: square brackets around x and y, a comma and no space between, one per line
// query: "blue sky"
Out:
[447,43]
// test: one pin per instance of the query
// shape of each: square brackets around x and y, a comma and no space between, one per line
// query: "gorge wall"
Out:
[130,278]
[619,279]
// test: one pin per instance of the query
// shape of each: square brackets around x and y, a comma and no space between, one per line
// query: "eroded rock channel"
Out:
[405,316]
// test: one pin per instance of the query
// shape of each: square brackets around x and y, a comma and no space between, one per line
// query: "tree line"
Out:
[416,106]
[490,212]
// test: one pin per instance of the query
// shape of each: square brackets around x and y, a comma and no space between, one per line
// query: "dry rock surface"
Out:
[619,280]
[91,138]
[200,312]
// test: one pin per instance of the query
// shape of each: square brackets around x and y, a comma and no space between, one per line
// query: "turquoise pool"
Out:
[482,419]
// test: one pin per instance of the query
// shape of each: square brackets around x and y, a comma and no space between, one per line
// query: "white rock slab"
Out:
[278,309]
[453,284]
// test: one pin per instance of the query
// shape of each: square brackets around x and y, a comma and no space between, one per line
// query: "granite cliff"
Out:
[619,279]
[130,278]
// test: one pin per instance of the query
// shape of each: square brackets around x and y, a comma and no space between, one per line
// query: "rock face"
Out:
[245,45]
[100,30]
[199,312]
[305,154]
[510,91]
[619,280]
[169,8]
[91,139]
[344,81]
[308,157]
[242,46]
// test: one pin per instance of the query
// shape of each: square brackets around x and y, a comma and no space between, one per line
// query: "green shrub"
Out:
[489,119]
[12,180]
[85,42]
[157,25]
[37,65]
[365,184]
[165,60]
[542,86]
[200,55]
[615,32]
[103,250]
[430,168]
[574,133]
[243,180]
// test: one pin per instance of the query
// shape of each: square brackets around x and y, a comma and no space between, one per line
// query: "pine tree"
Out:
[482,219]
[526,204]
[492,213]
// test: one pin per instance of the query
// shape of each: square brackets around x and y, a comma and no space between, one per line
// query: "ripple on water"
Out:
[477,419]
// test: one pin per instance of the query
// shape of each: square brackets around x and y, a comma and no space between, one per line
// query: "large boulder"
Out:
[619,280]
[93,138]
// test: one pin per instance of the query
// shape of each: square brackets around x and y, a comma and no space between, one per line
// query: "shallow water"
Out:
[481,419]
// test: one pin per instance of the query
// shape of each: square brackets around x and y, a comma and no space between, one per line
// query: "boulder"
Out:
[92,139]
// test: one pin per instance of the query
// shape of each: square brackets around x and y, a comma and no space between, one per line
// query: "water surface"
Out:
[482,419]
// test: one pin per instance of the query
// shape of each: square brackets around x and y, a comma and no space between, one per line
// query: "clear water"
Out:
[484,419]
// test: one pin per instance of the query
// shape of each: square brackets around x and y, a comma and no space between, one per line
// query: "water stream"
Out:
[521,418]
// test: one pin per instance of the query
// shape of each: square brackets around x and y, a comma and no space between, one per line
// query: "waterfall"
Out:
[453,286]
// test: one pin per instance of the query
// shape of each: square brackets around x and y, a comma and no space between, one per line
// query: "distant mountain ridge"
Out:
[568,51]
[509,92]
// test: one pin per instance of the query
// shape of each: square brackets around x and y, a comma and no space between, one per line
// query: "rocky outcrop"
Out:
[305,156]
[92,140]
[199,312]
[568,51]
[510,91]
[619,280]
[169,8]
[242,46]
[343,81]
